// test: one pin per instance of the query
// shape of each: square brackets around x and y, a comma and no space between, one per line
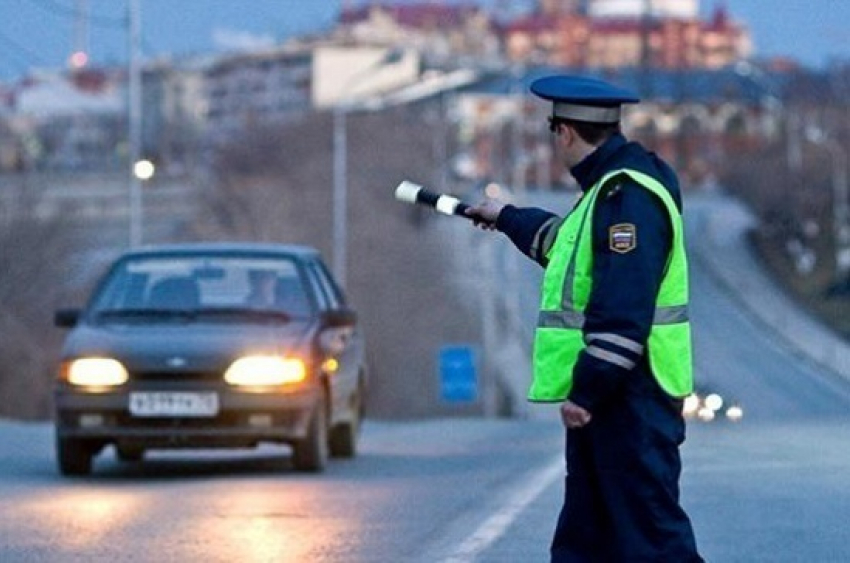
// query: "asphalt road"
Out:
[774,487]
[413,486]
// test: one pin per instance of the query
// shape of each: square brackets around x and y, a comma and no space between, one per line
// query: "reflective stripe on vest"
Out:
[574,319]
[567,285]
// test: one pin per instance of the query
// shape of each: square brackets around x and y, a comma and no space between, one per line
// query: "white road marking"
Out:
[496,525]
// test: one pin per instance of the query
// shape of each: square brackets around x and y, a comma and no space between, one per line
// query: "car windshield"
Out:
[188,287]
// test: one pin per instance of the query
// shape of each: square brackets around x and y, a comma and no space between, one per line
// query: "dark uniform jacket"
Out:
[625,285]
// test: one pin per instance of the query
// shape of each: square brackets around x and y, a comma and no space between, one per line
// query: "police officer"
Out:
[612,344]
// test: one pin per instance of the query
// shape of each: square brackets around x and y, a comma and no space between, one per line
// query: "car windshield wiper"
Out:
[274,314]
[146,312]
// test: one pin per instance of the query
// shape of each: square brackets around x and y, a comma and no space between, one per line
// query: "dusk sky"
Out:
[41,33]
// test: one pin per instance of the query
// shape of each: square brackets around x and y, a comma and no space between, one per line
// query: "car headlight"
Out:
[705,414]
[264,371]
[735,413]
[96,372]
[714,402]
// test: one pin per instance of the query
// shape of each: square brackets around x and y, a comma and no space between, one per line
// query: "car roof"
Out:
[236,248]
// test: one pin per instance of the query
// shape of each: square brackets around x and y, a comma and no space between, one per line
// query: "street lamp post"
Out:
[340,163]
[841,211]
[134,124]
[840,203]
[144,169]
[773,104]
[340,192]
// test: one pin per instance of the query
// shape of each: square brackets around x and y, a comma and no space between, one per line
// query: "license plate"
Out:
[174,404]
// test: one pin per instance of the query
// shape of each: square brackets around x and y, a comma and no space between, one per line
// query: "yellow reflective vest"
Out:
[567,285]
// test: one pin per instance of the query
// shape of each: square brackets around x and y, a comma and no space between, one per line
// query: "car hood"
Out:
[194,346]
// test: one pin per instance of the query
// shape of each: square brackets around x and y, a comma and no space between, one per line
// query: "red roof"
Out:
[532,24]
[415,15]
[720,18]
[635,25]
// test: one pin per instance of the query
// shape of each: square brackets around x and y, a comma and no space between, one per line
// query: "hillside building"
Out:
[662,34]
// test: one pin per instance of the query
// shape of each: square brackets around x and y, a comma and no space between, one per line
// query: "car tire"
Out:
[74,457]
[343,442]
[311,453]
[129,454]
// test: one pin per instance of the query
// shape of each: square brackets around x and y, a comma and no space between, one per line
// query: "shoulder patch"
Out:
[622,237]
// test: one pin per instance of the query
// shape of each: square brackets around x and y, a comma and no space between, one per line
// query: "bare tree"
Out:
[35,251]
[274,183]
[265,179]
[795,235]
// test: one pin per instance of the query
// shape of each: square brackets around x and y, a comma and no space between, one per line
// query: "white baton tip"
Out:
[447,204]
[406,191]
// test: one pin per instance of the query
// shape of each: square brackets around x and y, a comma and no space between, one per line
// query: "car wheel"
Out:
[344,436]
[74,456]
[311,453]
[129,454]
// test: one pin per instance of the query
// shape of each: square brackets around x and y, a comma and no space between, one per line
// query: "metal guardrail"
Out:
[93,196]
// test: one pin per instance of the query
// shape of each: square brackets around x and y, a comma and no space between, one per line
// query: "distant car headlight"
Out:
[264,371]
[96,372]
[705,414]
[714,402]
[735,413]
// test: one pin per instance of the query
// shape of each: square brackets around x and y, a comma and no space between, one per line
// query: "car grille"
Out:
[212,376]
[224,419]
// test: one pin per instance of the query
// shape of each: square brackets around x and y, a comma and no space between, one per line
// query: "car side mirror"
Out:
[67,318]
[339,318]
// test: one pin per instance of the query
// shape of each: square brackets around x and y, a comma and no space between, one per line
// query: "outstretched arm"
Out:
[532,230]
